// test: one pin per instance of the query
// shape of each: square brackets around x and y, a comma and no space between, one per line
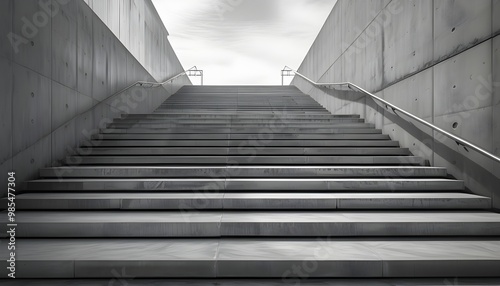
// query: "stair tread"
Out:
[249,196]
[215,136]
[249,180]
[314,217]
[339,168]
[165,184]
[249,159]
[244,249]
[241,171]
[199,224]
[238,142]
[251,201]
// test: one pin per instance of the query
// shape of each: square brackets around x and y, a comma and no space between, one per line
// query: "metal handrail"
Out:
[157,84]
[350,86]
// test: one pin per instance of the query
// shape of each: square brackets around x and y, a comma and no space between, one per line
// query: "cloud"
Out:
[242,41]
[249,11]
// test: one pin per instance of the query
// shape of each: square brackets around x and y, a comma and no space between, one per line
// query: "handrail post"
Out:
[194,71]
[286,71]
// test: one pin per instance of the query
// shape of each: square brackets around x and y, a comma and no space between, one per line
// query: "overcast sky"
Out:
[242,41]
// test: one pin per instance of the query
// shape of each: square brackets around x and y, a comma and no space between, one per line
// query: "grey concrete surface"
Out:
[236,151]
[438,59]
[242,172]
[59,80]
[139,28]
[6,109]
[292,189]
[76,224]
[259,258]
[251,201]
[249,184]
[6,28]
[236,143]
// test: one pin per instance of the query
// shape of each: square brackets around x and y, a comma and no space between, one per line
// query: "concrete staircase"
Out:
[249,182]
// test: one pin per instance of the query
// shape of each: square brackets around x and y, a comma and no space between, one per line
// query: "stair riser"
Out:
[205,204]
[246,160]
[256,269]
[237,121]
[224,172]
[245,229]
[237,116]
[277,125]
[240,143]
[248,185]
[244,151]
[316,265]
[263,131]
[255,136]
[270,111]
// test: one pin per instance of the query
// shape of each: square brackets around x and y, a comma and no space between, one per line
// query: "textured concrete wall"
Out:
[61,67]
[438,59]
[138,26]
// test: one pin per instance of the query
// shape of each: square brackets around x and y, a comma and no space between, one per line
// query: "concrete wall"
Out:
[438,59]
[60,78]
[139,28]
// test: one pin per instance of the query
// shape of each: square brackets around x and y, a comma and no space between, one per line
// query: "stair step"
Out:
[268,125]
[263,142]
[249,201]
[243,171]
[264,131]
[275,110]
[247,109]
[237,121]
[216,115]
[233,151]
[246,160]
[257,258]
[214,185]
[76,224]
[249,136]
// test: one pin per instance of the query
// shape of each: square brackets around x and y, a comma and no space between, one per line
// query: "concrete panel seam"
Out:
[438,62]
